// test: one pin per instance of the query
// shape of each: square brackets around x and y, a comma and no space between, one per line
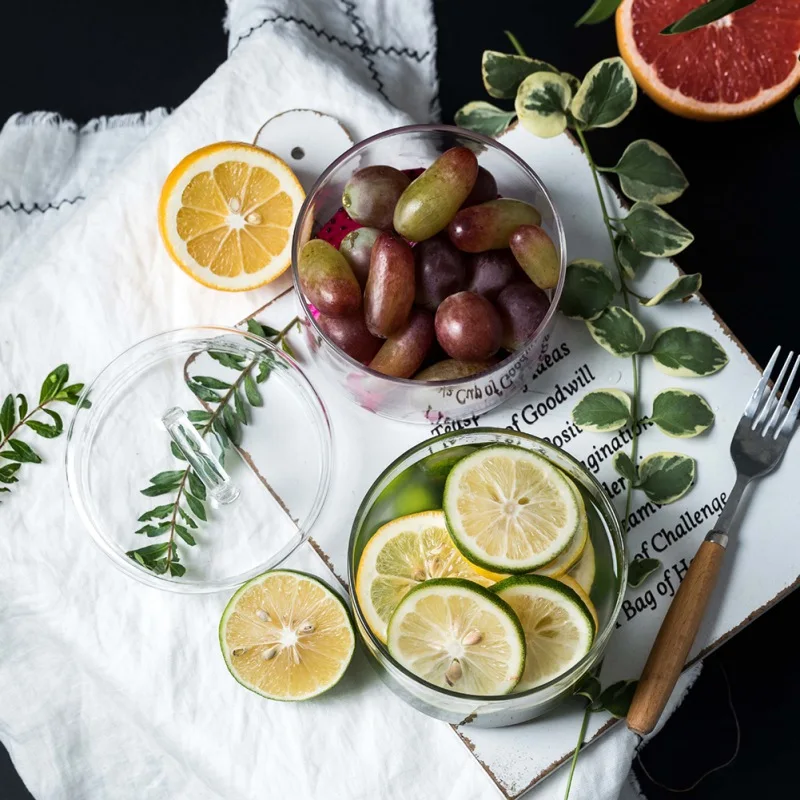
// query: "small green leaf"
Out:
[680,289]
[172,476]
[624,466]
[629,259]
[648,172]
[8,471]
[157,490]
[574,83]
[255,327]
[239,408]
[177,570]
[607,95]
[287,348]
[20,452]
[187,518]
[640,569]
[23,406]
[71,394]
[588,289]
[196,486]
[228,360]
[503,73]
[617,331]
[218,426]
[655,233]
[264,368]
[210,383]
[151,551]
[483,117]
[8,415]
[542,103]
[153,530]
[687,353]
[159,512]
[589,688]
[251,391]
[202,393]
[197,508]
[599,11]
[681,414]
[666,477]
[705,13]
[602,410]
[617,698]
[47,431]
[185,535]
[53,383]
[176,451]
[197,417]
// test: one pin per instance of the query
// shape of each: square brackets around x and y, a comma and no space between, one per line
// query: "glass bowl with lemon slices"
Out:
[486,569]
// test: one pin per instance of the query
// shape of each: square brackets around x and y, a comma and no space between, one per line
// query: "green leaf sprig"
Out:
[16,414]
[232,403]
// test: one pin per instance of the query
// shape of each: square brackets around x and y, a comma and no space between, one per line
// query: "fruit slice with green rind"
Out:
[286,635]
[509,510]
[558,626]
[459,636]
[571,554]
[583,571]
[402,554]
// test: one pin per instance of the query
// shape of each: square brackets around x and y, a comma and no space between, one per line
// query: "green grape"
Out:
[536,254]
[327,280]
[489,226]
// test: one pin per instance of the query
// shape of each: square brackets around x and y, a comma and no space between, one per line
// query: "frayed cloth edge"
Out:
[96,125]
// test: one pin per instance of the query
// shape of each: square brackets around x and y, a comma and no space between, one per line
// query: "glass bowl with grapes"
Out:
[428,261]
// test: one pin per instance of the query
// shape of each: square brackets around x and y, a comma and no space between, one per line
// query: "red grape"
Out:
[327,280]
[536,254]
[492,271]
[356,247]
[440,271]
[403,353]
[371,195]
[389,294]
[468,327]
[522,307]
[489,226]
[350,334]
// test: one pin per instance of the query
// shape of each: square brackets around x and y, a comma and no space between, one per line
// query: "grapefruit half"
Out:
[736,66]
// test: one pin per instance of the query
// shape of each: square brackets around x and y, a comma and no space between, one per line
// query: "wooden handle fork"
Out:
[676,636]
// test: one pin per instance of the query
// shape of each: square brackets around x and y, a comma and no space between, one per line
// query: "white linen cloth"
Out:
[109,689]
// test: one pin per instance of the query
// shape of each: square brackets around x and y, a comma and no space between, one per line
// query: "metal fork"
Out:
[757,447]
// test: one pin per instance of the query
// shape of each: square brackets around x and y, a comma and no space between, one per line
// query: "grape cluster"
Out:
[440,275]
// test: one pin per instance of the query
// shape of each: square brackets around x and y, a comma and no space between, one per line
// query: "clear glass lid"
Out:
[203,459]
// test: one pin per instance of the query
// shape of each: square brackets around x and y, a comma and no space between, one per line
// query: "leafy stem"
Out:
[581,736]
[626,292]
[515,44]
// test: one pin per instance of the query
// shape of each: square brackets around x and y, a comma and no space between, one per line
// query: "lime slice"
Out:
[558,627]
[509,510]
[587,601]
[458,636]
[583,571]
[286,636]
[568,558]
[402,554]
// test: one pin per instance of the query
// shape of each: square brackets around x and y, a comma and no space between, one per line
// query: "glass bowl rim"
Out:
[112,551]
[466,134]
[601,638]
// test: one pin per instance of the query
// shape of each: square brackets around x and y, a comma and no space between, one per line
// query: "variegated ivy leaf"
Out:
[599,11]
[687,353]
[666,477]
[574,83]
[648,172]
[680,289]
[484,118]
[588,289]
[640,569]
[629,259]
[589,688]
[655,233]
[602,410]
[607,95]
[624,466]
[617,331]
[681,414]
[542,102]
[503,73]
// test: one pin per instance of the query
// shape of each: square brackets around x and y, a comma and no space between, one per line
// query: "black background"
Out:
[94,58]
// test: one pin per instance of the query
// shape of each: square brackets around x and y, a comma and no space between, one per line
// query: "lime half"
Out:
[559,629]
[509,510]
[401,555]
[459,636]
[286,635]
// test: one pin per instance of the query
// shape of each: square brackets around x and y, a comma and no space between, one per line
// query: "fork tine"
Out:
[780,405]
[768,405]
[758,392]
[791,415]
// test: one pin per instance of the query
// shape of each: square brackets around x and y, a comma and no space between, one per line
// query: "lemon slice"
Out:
[509,510]
[226,214]
[563,562]
[286,636]
[458,636]
[558,627]
[583,571]
[402,554]
[587,601]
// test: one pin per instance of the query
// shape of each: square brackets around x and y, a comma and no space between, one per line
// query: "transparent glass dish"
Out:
[262,495]
[381,505]
[426,401]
